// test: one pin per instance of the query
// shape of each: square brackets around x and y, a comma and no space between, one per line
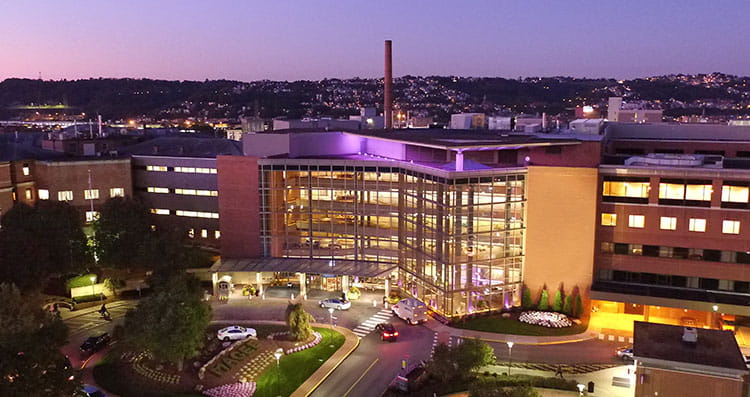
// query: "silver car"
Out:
[335,303]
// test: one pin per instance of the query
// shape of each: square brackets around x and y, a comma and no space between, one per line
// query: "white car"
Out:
[335,303]
[236,332]
[625,353]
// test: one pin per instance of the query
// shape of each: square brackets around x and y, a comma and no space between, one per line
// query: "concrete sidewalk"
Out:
[439,327]
[351,342]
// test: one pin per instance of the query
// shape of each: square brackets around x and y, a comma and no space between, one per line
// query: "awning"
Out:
[303,265]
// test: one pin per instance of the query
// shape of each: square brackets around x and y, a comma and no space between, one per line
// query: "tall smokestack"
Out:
[388,87]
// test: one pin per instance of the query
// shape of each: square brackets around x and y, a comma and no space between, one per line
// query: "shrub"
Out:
[568,306]
[298,321]
[526,298]
[558,305]
[544,300]
[579,306]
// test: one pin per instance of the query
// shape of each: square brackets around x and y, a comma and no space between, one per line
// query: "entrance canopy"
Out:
[339,267]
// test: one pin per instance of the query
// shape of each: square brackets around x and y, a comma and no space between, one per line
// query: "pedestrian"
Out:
[559,371]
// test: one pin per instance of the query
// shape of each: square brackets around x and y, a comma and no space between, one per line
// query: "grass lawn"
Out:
[501,325]
[295,368]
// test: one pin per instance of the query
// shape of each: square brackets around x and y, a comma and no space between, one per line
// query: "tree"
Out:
[442,365]
[298,321]
[526,298]
[41,241]
[579,306]
[114,284]
[122,233]
[177,309]
[568,306]
[30,342]
[460,361]
[558,305]
[544,300]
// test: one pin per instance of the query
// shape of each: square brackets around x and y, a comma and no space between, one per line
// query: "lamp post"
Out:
[93,279]
[510,354]
[278,354]
[580,387]
[330,311]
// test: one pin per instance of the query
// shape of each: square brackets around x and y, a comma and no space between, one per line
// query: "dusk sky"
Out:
[313,39]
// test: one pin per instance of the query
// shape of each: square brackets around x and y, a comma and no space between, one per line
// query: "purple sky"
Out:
[312,39]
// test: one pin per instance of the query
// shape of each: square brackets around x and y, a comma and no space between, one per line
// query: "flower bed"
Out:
[314,342]
[545,319]
[240,389]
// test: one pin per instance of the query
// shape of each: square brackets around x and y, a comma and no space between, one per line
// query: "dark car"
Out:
[95,343]
[387,332]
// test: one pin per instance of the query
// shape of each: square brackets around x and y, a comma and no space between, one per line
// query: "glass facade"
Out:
[458,243]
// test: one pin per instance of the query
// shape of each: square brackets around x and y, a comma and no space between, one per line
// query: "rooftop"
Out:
[185,147]
[714,348]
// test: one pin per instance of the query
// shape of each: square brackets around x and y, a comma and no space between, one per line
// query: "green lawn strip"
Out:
[83,280]
[501,325]
[295,368]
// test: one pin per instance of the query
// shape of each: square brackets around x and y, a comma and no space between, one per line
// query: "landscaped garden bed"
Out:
[511,325]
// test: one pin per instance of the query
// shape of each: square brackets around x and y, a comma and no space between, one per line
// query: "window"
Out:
[91,194]
[204,233]
[151,189]
[65,195]
[735,194]
[197,214]
[117,192]
[191,233]
[636,249]
[609,219]
[217,234]
[637,221]
[671,191]
[626,189]
[194,170]
[43,194]
[730,227]
[157,168]
[29,194]
[26,170]
[698,192]
[697,225]
[91,216]
[159,211]
[668,223]
[607,248]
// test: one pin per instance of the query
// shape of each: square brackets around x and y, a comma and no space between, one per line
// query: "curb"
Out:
[311,388]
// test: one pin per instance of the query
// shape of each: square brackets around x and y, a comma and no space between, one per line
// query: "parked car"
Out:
[92,391]
[236,332]
[625,353]
[338,304]
[411,310]
[95,343]
[387,332]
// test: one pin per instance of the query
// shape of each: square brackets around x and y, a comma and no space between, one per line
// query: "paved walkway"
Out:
[351,342]
[442,329]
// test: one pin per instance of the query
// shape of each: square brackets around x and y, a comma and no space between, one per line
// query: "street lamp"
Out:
[510,354]
[93,279]
[580,387]
[330,311]
[278,354]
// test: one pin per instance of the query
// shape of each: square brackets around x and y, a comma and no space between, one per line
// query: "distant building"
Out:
[368,118]
[321,124]
[673,361]
[419,122]
[587,126]
[252,124]
[618,111]
[587,112]
[529,124]
[499,123]
[467,121]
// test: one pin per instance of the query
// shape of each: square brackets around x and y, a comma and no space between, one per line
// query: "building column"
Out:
[345,285]
[459,160]
[259,282]
[214,283]
[387,287]
[646,312]
[302,285]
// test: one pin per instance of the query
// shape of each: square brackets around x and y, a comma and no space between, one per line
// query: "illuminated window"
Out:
[29,194]
[204,233]
[151,189]
[117,192]
[635,249]
[609,219]
[217,234]
[65,195]
[191,233]
[608,248]
[194,170]
[159,211]
[668,223]
[43,194]
[26,170]
[671,191]
[637,221]
[158,168]
[735,194]
[626,189]
[730,227]
[197,214]
[697,225]
[698,192]
[91,194]
[91,216]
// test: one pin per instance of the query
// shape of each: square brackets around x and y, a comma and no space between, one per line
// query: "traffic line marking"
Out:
[360,377]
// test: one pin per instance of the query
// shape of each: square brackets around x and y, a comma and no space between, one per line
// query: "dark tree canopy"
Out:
[460,361]
[30,342]
[40,241]
[122,232]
